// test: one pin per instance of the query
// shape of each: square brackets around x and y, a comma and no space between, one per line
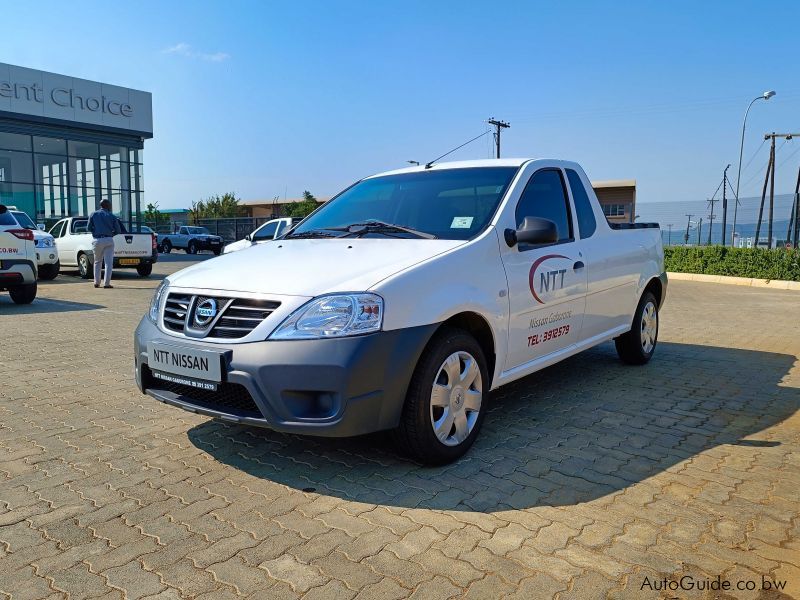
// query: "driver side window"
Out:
[267,232]
[545,196]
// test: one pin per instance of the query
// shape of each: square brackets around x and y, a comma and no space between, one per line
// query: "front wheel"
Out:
[445,403]
[191,248]
[23,294]
[144,269]
[217,251]
[49,272]
[166,247]
[636,347]
[85,266]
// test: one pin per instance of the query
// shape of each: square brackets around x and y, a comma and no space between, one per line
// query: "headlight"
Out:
[155,303]
[44,243]
[338,315]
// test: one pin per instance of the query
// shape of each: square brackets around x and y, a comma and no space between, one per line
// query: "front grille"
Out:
[229,398]
[175,310]
[239,316]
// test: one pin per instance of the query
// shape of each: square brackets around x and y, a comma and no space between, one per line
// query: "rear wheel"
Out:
[49,272]
[23,294]
[144,269]
[85,266]
[444,406]
[191,248]
[637,346]
[166,247]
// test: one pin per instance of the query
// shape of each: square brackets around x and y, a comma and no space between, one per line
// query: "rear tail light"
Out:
[155,241]
[23,234]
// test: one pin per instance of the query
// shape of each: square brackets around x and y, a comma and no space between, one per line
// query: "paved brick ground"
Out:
[587,478]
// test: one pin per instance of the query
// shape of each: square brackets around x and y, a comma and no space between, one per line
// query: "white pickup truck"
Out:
[399,304]
[74,242]
[269,231]
[18,269]
[191,239]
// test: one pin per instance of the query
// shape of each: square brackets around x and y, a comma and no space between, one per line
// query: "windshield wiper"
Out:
[359,229]
[312,233]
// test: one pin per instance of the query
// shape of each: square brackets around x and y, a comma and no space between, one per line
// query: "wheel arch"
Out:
[656,287]
[478,327]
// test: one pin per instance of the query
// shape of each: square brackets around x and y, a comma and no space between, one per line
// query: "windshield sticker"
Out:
[461,222]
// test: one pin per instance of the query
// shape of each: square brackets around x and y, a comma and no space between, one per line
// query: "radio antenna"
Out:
[430,164]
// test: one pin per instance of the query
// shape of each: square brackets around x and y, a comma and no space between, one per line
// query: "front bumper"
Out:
[46,256]
[335,387]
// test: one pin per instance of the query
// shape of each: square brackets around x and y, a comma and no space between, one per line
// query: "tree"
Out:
[217,207]
[154,218]
[304,207]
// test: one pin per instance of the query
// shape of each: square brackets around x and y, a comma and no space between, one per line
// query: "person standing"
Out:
[104,225]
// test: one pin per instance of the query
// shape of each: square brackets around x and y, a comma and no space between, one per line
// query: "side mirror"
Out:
[534,231]
[249,237]
[40,226]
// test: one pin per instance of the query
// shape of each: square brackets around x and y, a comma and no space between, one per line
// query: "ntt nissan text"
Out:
[400,303]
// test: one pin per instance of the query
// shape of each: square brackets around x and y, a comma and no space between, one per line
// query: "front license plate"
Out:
[128,261]
[204,365]
[209,386]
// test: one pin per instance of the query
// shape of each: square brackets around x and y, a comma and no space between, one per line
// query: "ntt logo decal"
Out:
[548,280]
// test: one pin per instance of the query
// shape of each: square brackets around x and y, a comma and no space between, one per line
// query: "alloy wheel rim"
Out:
[649,327]
[456,398]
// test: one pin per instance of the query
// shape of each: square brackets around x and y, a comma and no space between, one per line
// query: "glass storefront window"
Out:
[49,145]
[83,149]
[16,166]
[19,195]
[15,141]
[116,153]
[135,155]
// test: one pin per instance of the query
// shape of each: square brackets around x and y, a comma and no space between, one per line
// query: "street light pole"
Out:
[765,96]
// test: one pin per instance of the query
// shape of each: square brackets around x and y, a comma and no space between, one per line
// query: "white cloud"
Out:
[184,49]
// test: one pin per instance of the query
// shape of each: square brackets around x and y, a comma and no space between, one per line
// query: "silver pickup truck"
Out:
[191,239]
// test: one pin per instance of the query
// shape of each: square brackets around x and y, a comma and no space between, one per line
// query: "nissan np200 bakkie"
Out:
[400,303]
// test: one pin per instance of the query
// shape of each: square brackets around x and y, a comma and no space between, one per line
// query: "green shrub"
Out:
[758,263]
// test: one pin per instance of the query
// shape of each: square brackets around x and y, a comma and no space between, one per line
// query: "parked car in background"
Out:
[17,259]
[74,242]
[46,253]
[402,302]
[268,231]
[190,239]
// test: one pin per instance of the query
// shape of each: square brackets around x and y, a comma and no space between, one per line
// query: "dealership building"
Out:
[68,143]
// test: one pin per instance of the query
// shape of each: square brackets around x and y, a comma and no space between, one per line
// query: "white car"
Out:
[46,252]
[402,302]
[17,259]
[267,232]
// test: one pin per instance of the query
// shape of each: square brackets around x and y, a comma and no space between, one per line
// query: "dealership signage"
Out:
[58,97]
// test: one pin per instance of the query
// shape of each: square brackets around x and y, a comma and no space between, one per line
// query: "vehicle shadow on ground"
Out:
[43,306]
[580,430]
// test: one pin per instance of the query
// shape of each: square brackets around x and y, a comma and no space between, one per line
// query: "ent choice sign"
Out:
[65,97]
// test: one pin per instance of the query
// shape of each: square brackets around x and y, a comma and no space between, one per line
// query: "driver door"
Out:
[547,283]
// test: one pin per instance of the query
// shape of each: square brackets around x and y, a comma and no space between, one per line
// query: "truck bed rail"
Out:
[634,225]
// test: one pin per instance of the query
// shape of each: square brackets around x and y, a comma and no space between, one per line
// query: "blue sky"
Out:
[266,98]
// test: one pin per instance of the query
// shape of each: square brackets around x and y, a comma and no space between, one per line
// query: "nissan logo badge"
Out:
[205,312]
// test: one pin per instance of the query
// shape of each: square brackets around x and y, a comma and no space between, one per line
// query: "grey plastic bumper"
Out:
[334,387]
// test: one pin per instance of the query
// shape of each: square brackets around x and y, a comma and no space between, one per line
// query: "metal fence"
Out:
[231,230]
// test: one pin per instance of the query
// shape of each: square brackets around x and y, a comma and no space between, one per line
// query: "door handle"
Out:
[578,265]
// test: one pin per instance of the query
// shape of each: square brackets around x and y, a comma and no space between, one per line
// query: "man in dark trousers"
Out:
[103,226]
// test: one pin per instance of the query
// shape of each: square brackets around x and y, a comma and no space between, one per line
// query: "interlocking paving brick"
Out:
[576,486]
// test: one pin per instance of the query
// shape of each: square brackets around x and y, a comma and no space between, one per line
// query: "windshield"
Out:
[451,204]
[198,230]
[24,220]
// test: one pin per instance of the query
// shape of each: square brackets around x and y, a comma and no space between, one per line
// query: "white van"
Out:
[399,304]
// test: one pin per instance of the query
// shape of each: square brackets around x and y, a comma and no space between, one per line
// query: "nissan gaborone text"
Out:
[399,304]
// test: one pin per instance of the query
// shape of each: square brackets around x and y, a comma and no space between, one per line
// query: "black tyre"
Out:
[191,248]
[85,266]
[49,272]
[446,399]
[637,346]
[217,251]
[23,294]
[166,247]
[144,269]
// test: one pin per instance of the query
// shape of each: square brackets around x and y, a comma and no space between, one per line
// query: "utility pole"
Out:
[688,223]
[669,239]
[711,219]
[771,178]
[770,166]
[724,207]
[699,230]
[499,125]
[797,211]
